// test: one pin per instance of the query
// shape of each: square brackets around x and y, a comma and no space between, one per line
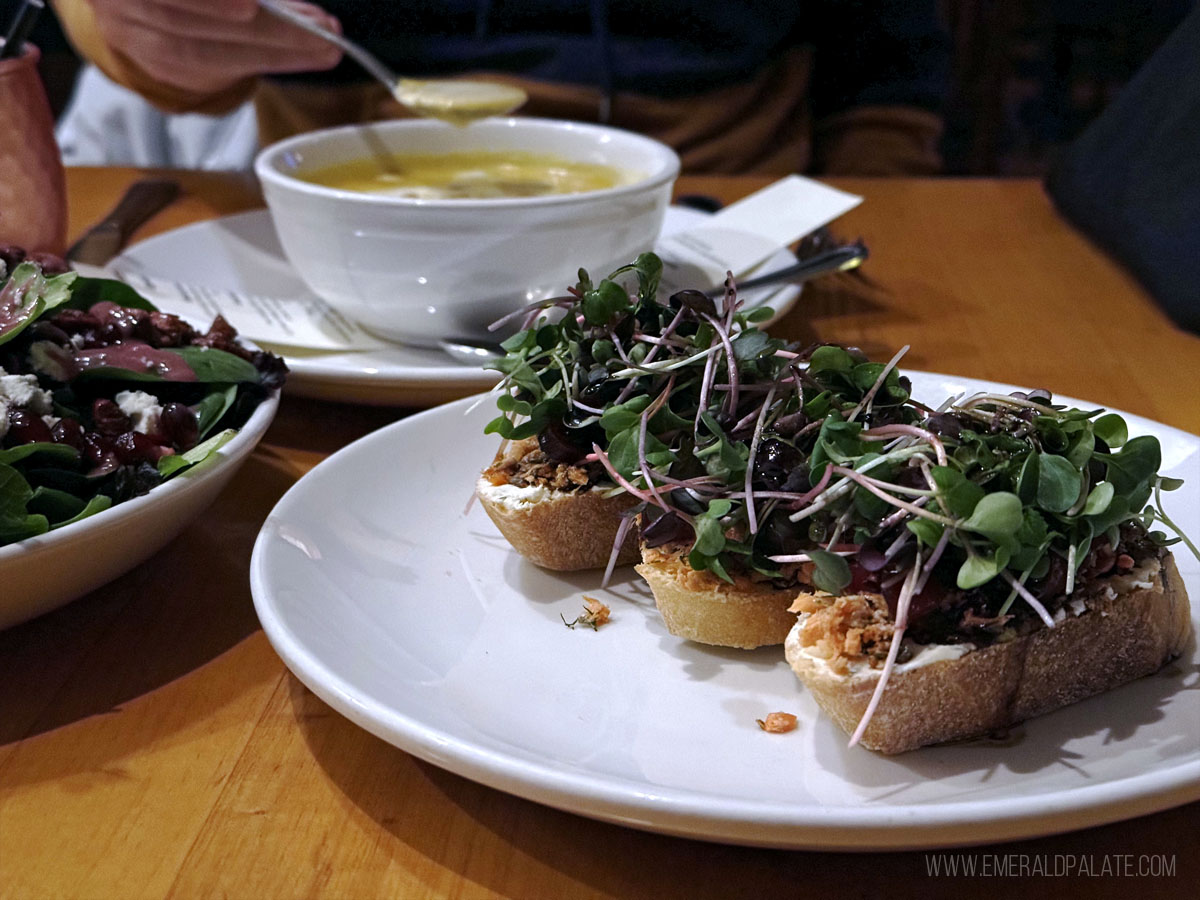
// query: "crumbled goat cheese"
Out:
[143,410]
[23,391]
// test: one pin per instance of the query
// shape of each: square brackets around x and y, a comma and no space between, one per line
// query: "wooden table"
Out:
[152,744]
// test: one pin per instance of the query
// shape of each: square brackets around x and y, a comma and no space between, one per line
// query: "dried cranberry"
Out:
[108,417]
[51,263]
[562,444]
[169,330]
[97,446]
[106,465]
[135,447]
[69,432]
[222,336]
[179,426]
[25,427]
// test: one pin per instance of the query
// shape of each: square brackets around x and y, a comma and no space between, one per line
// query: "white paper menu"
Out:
[746,233]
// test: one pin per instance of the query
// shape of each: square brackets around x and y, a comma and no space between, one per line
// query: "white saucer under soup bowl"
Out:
[417,270]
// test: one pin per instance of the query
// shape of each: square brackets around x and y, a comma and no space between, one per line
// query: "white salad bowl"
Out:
[45,572]
[419,270]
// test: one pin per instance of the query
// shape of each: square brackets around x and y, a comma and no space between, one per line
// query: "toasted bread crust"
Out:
[699,606]
[565,531]
[1113,642]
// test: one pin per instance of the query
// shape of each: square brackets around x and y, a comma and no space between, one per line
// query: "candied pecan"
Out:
[167,330]
[51,263]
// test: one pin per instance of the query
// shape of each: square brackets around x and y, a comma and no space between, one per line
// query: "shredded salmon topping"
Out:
[777,723]
[523,464]
[593,616]
[845,629]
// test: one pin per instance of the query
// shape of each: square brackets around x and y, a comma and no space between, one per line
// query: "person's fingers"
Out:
[205,66]
[229,10]
[201,52]
[263,30]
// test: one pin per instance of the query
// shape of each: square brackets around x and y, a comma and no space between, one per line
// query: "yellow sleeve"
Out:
[79,22]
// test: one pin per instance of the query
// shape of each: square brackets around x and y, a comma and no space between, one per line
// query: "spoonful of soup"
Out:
[459,102]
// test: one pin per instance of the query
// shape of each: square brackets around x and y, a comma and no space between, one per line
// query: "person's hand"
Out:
[208,46]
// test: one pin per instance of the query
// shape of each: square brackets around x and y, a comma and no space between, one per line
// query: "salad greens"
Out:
[103,397]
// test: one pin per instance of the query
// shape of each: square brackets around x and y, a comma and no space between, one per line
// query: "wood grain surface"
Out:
[153,745]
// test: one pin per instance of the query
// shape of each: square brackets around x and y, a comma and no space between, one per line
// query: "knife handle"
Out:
[143,199]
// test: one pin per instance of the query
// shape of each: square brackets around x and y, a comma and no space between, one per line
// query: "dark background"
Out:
[1027,76]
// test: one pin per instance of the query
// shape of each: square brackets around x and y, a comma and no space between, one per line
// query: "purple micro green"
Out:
[936,555]
[902,604]
[666,333]
[617,477]
[1001,400]
[900,515]
[643,425]
[1070,569]
[804,557]
[618,542]
[536,306]
[676,342]
[898,544]
[842,521]
[566,380]
[819,487]
[731,399]
[671,326]
[754,442]
[770,495]
[869,397]
[703,483]
[1028,598]
[870,485]
[1160,512]
[706,381]
[883,432]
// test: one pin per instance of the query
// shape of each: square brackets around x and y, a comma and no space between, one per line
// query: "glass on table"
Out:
[33,196]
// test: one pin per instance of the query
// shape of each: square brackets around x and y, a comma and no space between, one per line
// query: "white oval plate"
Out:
[417,622]
[241,253]
[45,572]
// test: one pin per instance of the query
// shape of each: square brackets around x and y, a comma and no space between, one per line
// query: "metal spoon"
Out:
[840,259]
[458,102]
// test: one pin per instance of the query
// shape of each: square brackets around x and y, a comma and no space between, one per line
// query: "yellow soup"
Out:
[468,175]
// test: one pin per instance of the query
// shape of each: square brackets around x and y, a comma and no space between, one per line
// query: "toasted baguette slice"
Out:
[946,693]
[559,529]
[699,606]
